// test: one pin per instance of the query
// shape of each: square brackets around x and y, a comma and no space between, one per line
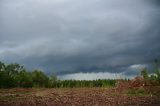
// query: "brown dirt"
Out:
[75,97]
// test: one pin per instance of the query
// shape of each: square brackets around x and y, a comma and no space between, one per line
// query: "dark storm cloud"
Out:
[72,36]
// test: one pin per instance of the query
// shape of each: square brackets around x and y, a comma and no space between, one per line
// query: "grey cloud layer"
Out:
[69,36]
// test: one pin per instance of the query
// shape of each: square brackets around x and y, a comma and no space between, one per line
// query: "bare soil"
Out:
[76,97]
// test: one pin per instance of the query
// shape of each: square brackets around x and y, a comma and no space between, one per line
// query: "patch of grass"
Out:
[7,98]
[137,92]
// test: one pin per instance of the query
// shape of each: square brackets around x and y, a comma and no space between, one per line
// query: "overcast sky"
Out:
[77,38]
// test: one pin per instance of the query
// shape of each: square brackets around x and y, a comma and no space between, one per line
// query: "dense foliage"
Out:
[15,75]
[84,83]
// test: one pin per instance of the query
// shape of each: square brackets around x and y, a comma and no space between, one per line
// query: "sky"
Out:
[81,39]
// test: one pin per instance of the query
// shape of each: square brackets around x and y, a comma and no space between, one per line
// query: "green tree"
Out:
[52,81]
[40,79]
[144,73]
[24,79]
[13,69]
[9,74]
[2,73]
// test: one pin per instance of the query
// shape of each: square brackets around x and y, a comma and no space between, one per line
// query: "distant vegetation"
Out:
[15,75]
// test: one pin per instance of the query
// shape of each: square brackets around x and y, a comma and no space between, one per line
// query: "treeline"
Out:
[15,75]
[83,83]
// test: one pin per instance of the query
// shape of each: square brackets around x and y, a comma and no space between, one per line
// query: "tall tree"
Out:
[39,79]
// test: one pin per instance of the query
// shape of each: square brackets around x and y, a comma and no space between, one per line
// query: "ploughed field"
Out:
[76,97]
